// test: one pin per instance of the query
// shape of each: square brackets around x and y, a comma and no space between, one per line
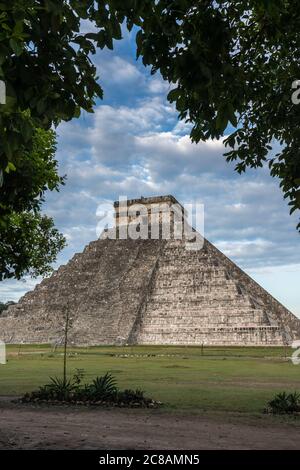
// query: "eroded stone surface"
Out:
[150,292]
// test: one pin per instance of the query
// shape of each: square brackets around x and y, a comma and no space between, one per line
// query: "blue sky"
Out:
[134,145]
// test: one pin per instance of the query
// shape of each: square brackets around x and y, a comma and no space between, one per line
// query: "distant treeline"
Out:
[4,306]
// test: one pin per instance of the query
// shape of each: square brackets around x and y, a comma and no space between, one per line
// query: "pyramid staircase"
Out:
[149,292]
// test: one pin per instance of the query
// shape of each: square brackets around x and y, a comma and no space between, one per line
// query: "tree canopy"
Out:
[233,62]
[28,245]
[230,62]
[29,242]
[32,174]
[4,306]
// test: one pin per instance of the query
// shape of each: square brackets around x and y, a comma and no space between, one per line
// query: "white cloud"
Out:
[119,71]
[142,149]
[158,85]
[235,249]
[131,153]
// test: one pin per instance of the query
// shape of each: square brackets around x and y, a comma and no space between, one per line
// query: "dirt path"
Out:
[23,427]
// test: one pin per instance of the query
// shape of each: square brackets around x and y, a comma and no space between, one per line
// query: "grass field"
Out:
[184,378]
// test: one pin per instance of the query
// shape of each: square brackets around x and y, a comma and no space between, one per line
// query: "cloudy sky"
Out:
[134,145]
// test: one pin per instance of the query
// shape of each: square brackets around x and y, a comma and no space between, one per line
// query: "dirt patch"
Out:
[28,427]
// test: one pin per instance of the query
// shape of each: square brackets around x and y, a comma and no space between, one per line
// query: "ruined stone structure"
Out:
[150,292]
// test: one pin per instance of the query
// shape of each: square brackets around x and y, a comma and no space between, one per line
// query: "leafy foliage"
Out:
[78,376]
[284,403]
[231,62]
[4,306]
[29,242]
[33,175]
[44,61]
[129,396]
[102,390]
[60,389]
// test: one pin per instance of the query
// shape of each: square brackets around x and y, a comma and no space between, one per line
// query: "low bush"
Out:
[284,403]
[101,391]
[103,388]
[131,396]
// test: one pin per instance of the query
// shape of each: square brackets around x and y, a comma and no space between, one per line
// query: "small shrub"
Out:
[61,389]
[129,396]
[57,389]
[84,393]
[42,393]
[284,403]
[78,376]
[103,388]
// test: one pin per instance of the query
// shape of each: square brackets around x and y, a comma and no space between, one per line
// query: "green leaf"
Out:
[10,167]
[222,120]
[139,42]
[173,95]
[16,46]
[231,115]
[18,28]
[77,112]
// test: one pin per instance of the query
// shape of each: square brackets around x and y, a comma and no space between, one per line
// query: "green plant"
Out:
[284,403]
[102,391]
[128,396]
[29,241]
[57,389]
[103,388]
[43,393]
[78,376]
[60,389]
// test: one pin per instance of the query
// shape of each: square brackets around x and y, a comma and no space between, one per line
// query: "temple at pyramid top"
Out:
[149,210]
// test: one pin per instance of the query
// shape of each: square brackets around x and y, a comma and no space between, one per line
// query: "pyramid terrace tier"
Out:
[149,292]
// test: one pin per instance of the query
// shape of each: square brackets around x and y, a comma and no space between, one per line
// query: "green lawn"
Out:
[185,378]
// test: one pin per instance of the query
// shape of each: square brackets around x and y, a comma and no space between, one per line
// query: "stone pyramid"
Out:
[145,291]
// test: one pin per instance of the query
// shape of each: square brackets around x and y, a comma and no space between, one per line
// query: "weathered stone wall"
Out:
[103,288]
[196,299]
